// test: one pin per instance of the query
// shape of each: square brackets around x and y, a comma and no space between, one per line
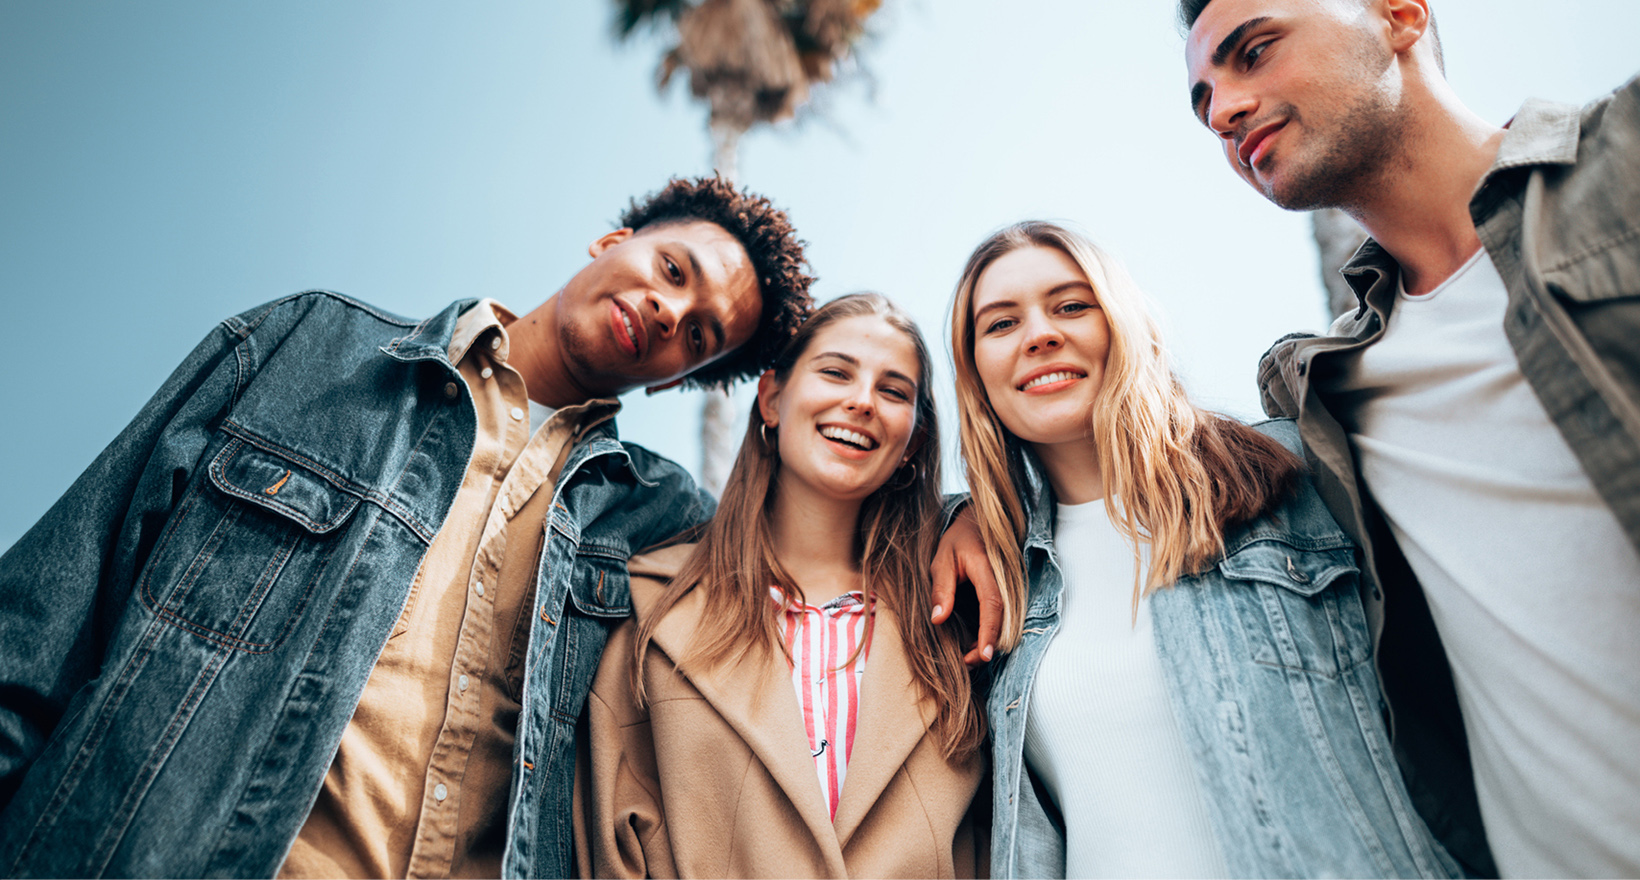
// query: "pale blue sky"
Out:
[165,164]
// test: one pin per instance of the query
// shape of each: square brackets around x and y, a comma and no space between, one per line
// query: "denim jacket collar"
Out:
[1297,527]
[430,339]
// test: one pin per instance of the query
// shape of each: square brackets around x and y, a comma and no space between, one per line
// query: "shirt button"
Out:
[495,342]
[450,390]
[461,683]
[440,792]
[486,372]
[479,589]
[517,414]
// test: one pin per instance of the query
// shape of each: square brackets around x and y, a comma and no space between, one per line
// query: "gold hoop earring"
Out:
[763,434]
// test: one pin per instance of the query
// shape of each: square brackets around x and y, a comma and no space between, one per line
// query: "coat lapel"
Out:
[893,717]
[754,696]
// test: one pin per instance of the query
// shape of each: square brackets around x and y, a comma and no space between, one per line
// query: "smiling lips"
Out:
[1249,151]
[628,333]
[1054,377]
[857,439]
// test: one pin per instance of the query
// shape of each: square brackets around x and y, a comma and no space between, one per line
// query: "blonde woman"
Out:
[1188,688]
[780,705]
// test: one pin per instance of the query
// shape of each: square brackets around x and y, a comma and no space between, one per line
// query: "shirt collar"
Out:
[484,316]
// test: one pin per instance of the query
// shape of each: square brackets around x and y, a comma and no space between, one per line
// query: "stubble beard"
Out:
[1360,150]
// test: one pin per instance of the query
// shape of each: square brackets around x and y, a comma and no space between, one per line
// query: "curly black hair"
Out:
[776,254]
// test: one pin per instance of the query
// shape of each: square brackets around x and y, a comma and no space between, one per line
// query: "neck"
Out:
[533,351]
[1419,210]
[814,541]
[1073,470]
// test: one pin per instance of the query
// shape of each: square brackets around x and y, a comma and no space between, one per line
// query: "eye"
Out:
[1253,51]
[834,373]
[899,394]
[672,270]
[1000,325]
[697,339]
[1075,307]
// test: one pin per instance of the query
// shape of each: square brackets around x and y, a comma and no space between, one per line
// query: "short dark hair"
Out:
[1190,10]
[776,255]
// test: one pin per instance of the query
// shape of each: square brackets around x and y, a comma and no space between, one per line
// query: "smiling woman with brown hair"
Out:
[780,705]
[1189,688]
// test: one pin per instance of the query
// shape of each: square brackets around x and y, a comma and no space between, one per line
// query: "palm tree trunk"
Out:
[717,417]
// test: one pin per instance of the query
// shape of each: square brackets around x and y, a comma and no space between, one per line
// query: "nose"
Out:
[1042,336]
[859,401]
[667,312]
[1228,109]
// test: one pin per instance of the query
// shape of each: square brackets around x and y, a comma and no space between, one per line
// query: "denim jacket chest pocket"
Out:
[240,557]
[1298,608]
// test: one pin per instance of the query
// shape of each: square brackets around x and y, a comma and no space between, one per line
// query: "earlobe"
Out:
[608,240]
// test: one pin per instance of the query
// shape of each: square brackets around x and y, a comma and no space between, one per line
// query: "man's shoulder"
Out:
[316,304]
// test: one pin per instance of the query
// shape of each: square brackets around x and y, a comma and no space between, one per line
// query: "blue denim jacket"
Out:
[185,634]
[1267,661]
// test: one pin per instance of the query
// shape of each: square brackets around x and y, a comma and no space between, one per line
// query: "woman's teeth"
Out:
[1060,376]
[852,438]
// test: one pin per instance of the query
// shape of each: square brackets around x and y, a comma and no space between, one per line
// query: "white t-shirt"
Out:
[1099,731]
[1531,581]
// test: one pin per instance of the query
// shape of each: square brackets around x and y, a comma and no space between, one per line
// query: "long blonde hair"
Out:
[735,562]
[1175,476]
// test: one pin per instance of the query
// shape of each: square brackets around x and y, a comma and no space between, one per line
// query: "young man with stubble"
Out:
[330,604]
[1475,423]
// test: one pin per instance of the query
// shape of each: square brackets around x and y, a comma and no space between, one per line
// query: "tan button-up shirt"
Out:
[420,783]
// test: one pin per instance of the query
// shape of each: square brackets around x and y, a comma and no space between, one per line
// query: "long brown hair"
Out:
[1176,476]
[735,562]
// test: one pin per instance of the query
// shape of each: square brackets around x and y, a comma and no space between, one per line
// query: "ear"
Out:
[656,389]
[768,398]
[1408,21]
[608,240]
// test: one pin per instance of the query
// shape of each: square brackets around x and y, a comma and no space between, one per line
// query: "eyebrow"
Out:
[1052,291]
[853,361]
[1200,90]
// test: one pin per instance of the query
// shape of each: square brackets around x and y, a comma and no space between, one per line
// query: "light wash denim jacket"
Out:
[1268,664]
[182,646]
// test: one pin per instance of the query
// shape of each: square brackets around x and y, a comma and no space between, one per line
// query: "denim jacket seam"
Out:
[359,490]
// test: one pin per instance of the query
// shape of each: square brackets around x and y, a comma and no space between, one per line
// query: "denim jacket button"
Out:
[479,589]
[440,792]
[461,684]
[450,390]
[517,414]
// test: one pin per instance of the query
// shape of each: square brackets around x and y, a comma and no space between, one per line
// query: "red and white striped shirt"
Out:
[821,640]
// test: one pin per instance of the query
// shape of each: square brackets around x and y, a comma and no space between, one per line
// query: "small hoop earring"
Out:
[763,433]
[911,480]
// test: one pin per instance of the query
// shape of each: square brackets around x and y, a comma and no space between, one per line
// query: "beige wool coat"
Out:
[714,777]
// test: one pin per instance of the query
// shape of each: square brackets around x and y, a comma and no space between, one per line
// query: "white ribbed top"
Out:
[1099,730]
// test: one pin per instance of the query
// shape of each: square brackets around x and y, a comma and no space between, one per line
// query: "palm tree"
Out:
[753,62]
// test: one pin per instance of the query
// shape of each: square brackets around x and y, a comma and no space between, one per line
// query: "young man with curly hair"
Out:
[1475,423]
[331,604]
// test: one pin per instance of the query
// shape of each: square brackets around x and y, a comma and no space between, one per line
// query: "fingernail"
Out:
[987,652]
[937,610]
